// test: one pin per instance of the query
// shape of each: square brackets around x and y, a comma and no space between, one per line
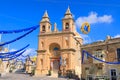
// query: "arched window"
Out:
[43,28]
[41,60]
[49,27]
[67,43]
[56,51]
[100,54]
[67,26]
[42,44]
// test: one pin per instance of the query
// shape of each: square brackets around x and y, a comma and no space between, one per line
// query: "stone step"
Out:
[2,74]
[54,75]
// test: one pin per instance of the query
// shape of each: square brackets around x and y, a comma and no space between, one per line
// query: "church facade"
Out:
[58,50]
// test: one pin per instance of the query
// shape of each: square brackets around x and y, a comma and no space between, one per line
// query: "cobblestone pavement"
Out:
[18,76]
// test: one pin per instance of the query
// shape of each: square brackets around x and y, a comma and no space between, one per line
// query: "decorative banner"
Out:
[85,52]
[18,37]
[85,28]
[18,31]
[12,55]
[15,56]
[25,56]
[18,59]
[5,55]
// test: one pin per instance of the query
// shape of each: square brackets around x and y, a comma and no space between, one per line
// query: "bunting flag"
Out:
[19,59]
[85,52]
[17,55]
[24,56]
[7,54]
[17,31]
[18,37]
[13,57]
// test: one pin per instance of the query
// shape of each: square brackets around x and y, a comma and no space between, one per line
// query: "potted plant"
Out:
[59,73]
[49,72]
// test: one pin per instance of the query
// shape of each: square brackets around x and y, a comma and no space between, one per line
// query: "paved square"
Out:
[18,76]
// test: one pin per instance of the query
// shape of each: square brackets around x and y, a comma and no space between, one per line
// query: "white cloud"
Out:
[117,36]
[12,50]
[30,51]
[86,39]
[93,18]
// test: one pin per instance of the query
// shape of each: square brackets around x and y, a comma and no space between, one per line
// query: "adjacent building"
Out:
[107,50]
[4,65]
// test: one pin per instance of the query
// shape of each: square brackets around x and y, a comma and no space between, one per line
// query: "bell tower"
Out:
[68,22]
[45,25]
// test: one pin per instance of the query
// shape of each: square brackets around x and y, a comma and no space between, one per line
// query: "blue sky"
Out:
[103,15]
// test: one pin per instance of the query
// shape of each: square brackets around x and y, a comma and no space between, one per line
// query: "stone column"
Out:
[70,60]
[44,70]
[38,67]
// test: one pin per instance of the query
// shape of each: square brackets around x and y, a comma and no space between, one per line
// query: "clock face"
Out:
[85,28]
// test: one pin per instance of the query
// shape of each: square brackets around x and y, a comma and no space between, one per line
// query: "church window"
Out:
[118,54]
[41,60]
[86,68]
[100,68]
[67,42]
[56,51]
[98,54]
[43,28]
[42,44]
[67,26]
[49,27]
[56,48]
[67,61]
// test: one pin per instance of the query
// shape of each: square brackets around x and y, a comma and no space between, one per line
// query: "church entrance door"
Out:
[55,66]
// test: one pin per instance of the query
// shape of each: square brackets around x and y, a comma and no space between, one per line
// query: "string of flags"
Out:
[9,54]
[13,55]
[90,55]
[17,31]
[8,42]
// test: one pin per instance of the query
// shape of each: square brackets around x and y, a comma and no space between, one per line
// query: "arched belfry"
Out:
[58,50]
[68,21]
[45,25]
